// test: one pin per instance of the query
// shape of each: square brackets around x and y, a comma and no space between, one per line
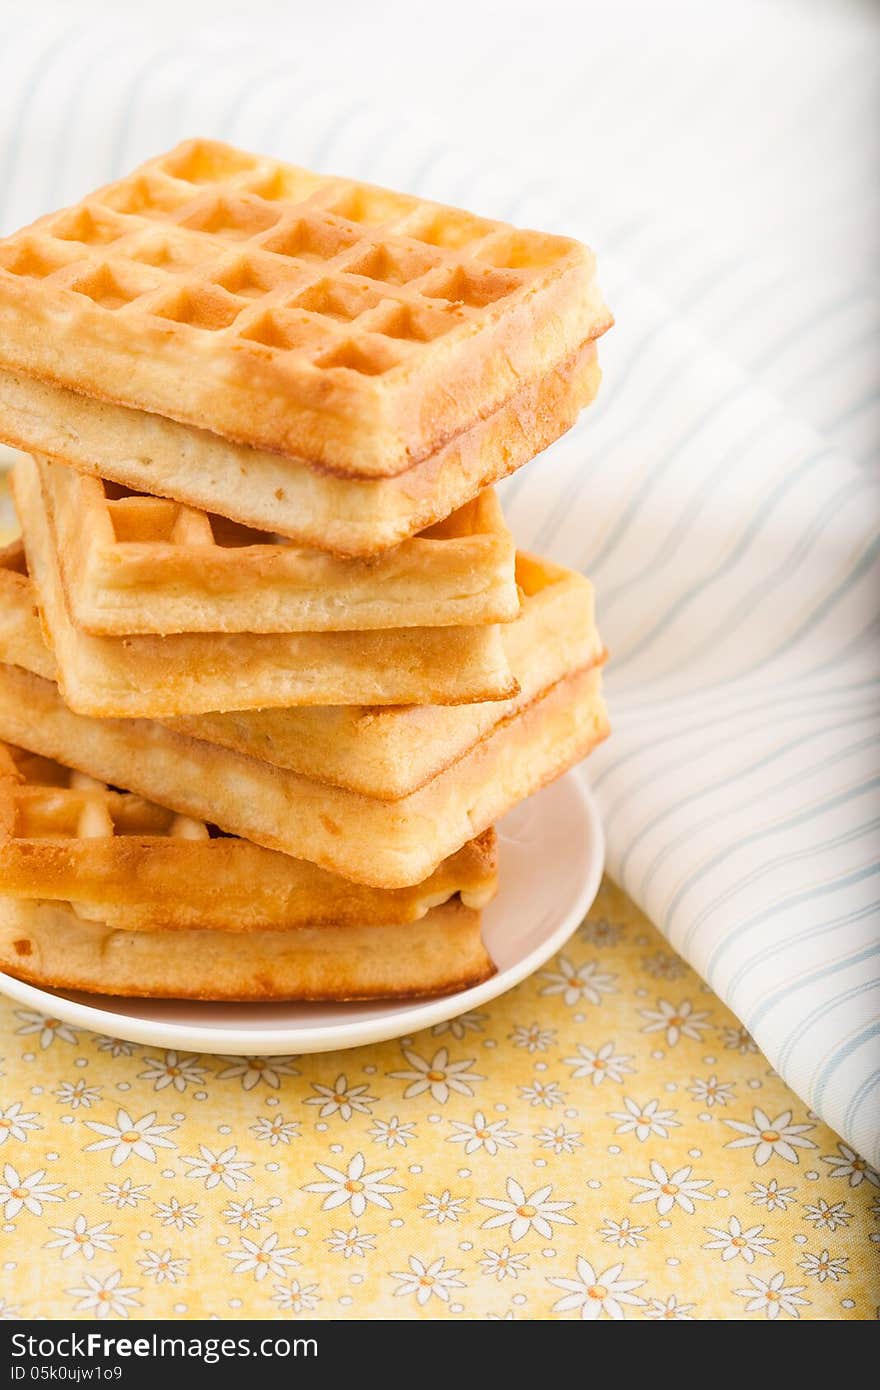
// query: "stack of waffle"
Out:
[265,585]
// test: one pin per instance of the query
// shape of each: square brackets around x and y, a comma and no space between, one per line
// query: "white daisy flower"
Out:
[427,1281]
[738,1039]
[600,932]
[471,1022]
[579,983]
[734,1241]
[481,1133]
[823,1266]
[342,1098]
[181,1215]
[501,1317]
[9,1312]
[16,1123]
[442,1207]
[846,1163]
[827,1216]
[622,1233]
[274,1129]
[77,1093]
[504,1265]
[532,1038]
[710,1091]
[670,1190]
[261,1258]
[162,1266]
[594,1294]
[26,1194]
[296,1297]
[177,1069]
[247,1215]
[771,1195]
[439,1076]
[124,1194]
[128,1136]
[676,1021]
[644,1120]
[81,1239]
[354,1186]
[768,1137]
[350,1243]
[559,1140]
[603,1065]
[48,1029]
[252,1070]
[546,1093]
[524,1213]
[214,1168]
[664,966]
[773,1296]
[670,1309]
[392,1132]
[117,1047]
[106,1298]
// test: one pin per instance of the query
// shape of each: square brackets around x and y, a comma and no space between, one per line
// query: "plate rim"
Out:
[411,1018]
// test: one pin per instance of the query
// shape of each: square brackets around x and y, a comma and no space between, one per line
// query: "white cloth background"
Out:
[722,493]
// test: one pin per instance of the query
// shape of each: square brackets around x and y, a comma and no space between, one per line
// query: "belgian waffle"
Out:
[283,495]
[136,564]
[352,327]
[193,673]
[136,866]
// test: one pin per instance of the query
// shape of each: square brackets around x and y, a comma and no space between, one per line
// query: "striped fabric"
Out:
[720,494]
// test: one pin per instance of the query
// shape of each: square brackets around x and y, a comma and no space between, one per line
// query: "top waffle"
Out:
[351,327]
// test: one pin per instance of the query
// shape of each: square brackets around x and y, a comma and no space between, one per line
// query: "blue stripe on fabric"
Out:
[796,982]
[839,1056]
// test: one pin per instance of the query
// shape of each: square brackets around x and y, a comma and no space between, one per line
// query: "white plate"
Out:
[552,852]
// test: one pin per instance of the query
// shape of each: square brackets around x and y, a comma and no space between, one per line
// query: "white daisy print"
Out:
[846,1163]
[523,1213]
[503,1264]
[736,1241]
[354,1186]
[427,1280]
[47,1029]
[213,1168]
[771,1195]
[117,1047]
[262,1258]
[480,1133]
[77,1094]
[827,1216]
[663,966]
[546,1093]
[768,1137]
[644,1120]
[823,1266]
[129,1136]
[439,1076]
[622,1233]
[532,1038]
[9,1312]
[19,1194]
[296,1297]
[350,1244]
[669,1309]
[471,1022]
[670,1190]
[593,1294]
[162,1266]
[442,1207]
[392,1133]
[603,1065]
[578,983]
[601,932]
[341,1099]
[251,1071]
[773,1296]
[248,1215]
[559,1140]
[124,1194]
[710,1091]
[183,1216]
[106,1298]
[274,1129]
[738,1040]
[177,1069]
[676,1021]
[82,1239]
[16,1123]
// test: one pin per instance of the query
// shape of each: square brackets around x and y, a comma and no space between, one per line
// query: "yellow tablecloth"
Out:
[603,1141]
